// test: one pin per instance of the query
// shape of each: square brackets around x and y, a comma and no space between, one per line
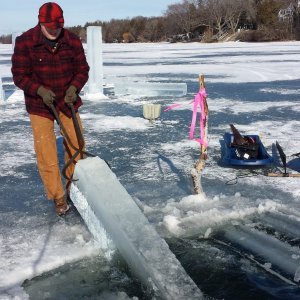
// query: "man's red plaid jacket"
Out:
[34,63]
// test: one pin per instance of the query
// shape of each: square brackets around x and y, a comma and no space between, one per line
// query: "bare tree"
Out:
[115,30]
[137,27]
[234,10]
[215,10]
[267,11]
[203,18]
[154,30]
[6,39]
[224,15]
[183,14]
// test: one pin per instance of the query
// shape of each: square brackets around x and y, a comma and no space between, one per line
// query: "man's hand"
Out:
[71,95]
[47,95]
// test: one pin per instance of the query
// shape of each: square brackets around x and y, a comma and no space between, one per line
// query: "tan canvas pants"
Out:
[46,152]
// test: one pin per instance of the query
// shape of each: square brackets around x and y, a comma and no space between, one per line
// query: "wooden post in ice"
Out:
[199,166]
[95,61]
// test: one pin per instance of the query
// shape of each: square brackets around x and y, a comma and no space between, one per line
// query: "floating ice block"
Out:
[280,254]
[146,253]
[283,223]
[150,89]
[2,97]
[95,61]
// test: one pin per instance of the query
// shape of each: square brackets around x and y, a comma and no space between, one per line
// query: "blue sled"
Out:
[230,156]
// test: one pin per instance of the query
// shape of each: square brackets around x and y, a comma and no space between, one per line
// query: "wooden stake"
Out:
[199,166]
[283,175]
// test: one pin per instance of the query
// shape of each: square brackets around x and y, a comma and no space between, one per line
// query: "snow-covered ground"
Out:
[254,86]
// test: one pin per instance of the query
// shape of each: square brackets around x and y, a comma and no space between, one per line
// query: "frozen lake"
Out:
[240,241]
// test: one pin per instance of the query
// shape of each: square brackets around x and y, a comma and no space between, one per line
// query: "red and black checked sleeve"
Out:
[22,68]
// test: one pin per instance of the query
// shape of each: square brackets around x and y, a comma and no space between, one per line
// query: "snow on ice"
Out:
[255,86]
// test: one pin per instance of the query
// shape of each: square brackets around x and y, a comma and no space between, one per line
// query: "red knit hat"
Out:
[51,15]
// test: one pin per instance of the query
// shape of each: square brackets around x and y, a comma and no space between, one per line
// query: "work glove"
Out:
[71,95]
[47,95]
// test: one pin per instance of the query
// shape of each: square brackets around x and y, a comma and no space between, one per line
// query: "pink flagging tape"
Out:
[199,101]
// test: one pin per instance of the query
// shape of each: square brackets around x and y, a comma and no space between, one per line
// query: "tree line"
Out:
[204,20]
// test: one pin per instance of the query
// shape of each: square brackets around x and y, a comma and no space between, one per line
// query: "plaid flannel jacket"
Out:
[34,63]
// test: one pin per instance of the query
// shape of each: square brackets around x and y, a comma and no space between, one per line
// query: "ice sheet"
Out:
[254,85]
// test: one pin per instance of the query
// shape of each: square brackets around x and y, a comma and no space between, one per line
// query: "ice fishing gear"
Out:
[244,173]
[246,147]
[284,163]
[282,156]
[67,142]
[296,154]
[244,155]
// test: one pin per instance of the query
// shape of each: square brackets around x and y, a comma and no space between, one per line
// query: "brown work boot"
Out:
[61,205]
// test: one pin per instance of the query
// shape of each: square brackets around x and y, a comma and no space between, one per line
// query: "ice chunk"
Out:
[150,89]
[95,60]
[145,251]
[283,223]
[273,250]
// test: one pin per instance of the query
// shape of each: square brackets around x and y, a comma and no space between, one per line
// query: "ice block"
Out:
[150,89]
[95,60]
[146,253]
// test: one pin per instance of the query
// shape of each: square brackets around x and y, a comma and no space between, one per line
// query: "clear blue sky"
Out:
[20,15]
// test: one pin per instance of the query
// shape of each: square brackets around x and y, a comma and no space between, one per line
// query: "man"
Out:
[50,66]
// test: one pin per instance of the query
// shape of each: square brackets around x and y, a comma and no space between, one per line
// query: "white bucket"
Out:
[151,111]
